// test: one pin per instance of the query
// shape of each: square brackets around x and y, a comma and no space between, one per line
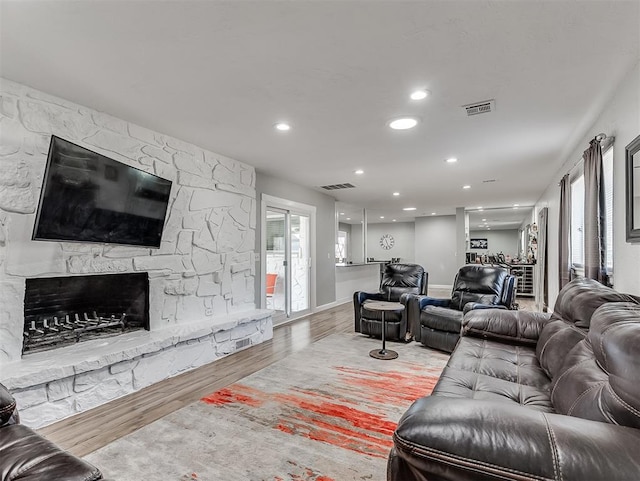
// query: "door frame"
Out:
[296,208]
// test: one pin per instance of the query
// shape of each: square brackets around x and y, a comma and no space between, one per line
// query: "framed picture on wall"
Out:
[478,243]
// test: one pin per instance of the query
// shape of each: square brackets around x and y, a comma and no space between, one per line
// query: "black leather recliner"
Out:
[437,322]
[397,283]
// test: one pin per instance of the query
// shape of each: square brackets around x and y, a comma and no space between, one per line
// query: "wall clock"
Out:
[386,241]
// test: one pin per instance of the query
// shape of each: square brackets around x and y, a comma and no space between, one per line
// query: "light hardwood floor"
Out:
[84,433]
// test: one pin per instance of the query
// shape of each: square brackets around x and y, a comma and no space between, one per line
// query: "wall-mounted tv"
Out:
[87,197]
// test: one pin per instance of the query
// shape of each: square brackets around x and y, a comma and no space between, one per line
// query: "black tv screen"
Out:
[87,197]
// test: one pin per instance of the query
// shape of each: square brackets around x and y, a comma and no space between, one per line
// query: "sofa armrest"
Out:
[522,327]
[415,303]
[8,411]
[452,439]
[358,298]
[470,306]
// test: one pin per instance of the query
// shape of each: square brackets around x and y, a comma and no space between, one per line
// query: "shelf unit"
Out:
[524,273]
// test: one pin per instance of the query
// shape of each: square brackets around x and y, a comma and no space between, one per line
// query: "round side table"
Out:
[383,307]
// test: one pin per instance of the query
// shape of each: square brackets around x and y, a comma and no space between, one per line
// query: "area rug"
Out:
[325,413]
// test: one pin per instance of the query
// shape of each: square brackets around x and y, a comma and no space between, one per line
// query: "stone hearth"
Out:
[52,385]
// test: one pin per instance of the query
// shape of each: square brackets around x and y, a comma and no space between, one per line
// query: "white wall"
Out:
[620,118]
[203,267]
[325,230]
[505,241]
[435,248]
[404,235]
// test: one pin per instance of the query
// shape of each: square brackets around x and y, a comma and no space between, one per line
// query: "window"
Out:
[577,214]
[607,174]
[341,246]
[577,222]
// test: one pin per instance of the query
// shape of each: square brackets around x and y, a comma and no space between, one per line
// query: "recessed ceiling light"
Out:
[403,123]
[466,186]
[348,218]
[484,220]
[341,213]
[433,213]
[282,126]
[409,208]
[516,205]
[359,172]
[480,207]
[393,220]
[488,228]
[419,94]
[396,193]
[382,217]
[451,160]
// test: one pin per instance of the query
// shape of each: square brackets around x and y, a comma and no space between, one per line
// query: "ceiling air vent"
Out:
[337,186]
[480,107]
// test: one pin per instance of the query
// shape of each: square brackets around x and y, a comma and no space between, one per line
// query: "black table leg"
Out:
[383,353]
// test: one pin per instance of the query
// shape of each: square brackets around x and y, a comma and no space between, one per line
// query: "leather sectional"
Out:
[532,396]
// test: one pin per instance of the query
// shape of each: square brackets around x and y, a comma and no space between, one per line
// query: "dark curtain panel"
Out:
[542,286]
[564,266]
[594,212]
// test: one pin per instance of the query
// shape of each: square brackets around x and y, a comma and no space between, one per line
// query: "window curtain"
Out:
[564,266]
[541,285]
[595,242]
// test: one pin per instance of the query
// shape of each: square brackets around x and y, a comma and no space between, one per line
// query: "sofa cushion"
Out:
[493,371]
[441,318]
[578,300]
[556,339]
[600,378]
[513,363]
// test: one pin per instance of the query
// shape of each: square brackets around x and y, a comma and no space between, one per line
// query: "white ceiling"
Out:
[221,74]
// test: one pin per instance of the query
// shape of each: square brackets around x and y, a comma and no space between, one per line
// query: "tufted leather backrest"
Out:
[600,377]
[575,305]
[483,284]
[399,279]
[578,300]
[7,405]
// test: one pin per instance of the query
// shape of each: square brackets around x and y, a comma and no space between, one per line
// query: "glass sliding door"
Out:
[275,281]
[287,260]
[300,260]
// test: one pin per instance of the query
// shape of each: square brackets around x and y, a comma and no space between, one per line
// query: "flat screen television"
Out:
[87,197]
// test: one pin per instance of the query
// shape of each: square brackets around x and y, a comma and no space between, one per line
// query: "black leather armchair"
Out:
[398,282]
[437,322]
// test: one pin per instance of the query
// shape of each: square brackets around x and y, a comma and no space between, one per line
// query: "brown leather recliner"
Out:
[397,283]
[27,456]
[529,396]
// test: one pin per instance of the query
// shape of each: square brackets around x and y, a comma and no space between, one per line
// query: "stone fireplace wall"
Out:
[205,266]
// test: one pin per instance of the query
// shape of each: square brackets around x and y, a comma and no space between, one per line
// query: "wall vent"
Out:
[480,107]
[337,186]
[488,181]
[242,343]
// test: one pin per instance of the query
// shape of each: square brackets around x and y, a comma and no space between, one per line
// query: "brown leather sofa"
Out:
[27,456]
[532,396]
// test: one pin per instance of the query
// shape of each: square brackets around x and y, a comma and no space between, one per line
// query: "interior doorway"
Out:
[287,254]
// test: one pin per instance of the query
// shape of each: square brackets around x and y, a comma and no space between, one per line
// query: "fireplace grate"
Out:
[54,332]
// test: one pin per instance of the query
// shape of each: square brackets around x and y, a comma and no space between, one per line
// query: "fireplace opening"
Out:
[59,311]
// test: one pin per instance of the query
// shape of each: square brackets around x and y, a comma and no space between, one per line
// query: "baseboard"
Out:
[440,286]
